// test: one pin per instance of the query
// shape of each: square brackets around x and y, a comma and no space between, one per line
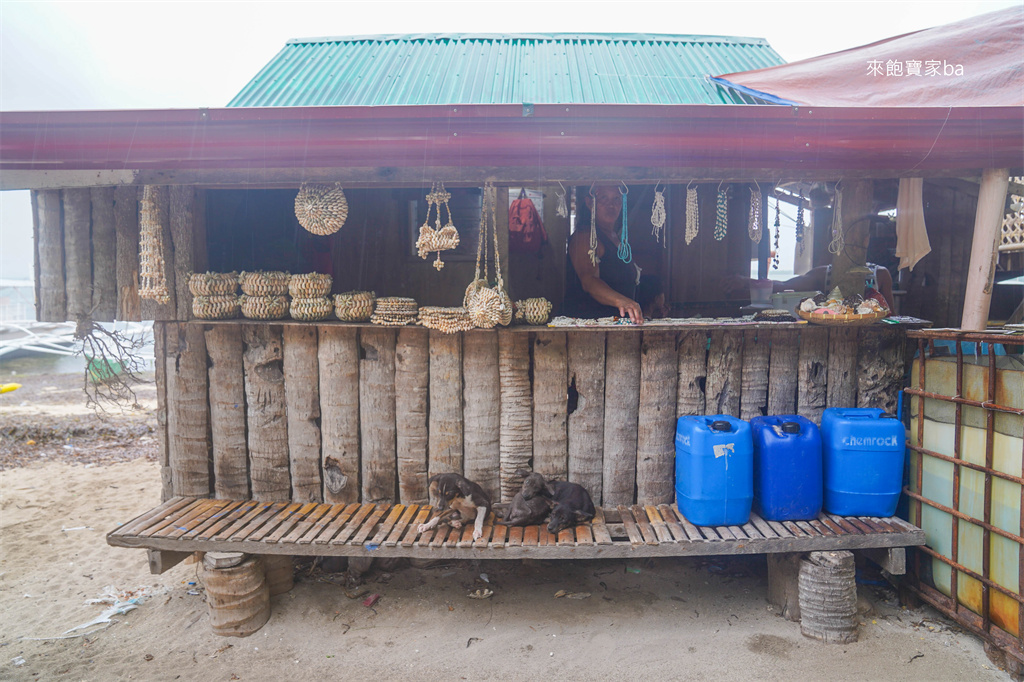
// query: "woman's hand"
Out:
[631,309]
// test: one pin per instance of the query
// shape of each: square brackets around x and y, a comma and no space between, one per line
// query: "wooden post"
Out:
[782,373]
[482,419]
[187,416]
[339,413]
[880,361]
[725,364]
[77,251]
[182,203]
[586,422]
[621,407]
[265,413]
[550,393]
[412,356]
[516,425]
[444,433]
[126,227]
[842,367]
[151,310]
[227,412]
[783,584]
[104,255]
[377,415]
[52,305]
[160,379]
[692,373]
[858,210]
[985,248]
[656,437]
[754,373]
[34,200]
[812,373]
[302,400]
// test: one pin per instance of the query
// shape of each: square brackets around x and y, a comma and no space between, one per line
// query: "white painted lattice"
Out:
[1012,238]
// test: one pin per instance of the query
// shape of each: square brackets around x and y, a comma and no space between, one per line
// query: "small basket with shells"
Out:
[355,306]
[447,320]
[215,307]
[213,283]
[394,311]
[264,283]
[321,209]
[311,308]
[264,307]
[532,310]
[834,310]
[311,285]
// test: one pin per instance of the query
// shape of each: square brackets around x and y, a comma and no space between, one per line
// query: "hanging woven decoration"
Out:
[692,214]
[563,209]
[800,223]
[838,242]
[152,265]
[625,251]
[488,306]
[778,230]
[754,219]
[321,209]
[721,214]
[592,251]
[658,216]
[437,238]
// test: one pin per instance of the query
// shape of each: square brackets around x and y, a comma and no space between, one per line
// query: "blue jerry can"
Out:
[863,451]
[714,470]
[787,468]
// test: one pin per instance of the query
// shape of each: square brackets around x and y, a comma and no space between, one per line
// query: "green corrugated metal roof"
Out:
[505,69]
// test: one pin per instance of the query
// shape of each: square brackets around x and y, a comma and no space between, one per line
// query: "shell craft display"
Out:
[264,307]
[355,306]
[311,309]
[439,238]
[264,283]
[321,209]
[152,264]
[213,283]
[309,285]
[447,320]
[215,307]
[394,311]
[533,310]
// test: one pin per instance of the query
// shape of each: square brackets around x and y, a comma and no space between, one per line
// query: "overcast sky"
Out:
[184,54]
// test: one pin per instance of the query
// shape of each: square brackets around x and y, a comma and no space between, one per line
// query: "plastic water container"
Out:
[714,470]
[787,468]
[863,451]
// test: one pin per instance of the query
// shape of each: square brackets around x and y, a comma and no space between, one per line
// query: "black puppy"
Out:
[531,504]
[459,499]
[572,505]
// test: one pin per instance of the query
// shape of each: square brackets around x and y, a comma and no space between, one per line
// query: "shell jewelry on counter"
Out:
[310,309]
[321,209]
[152,264]
[532,310]
[754,218]
[437,238]
[488,306]
[692,214]
[264,283]
[311,285]
[721,214]
[213,283]
[355,306]
[447,320]
[394,311]
[264,307]
[222,307]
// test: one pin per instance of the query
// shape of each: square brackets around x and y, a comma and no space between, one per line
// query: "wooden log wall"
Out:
[345,413]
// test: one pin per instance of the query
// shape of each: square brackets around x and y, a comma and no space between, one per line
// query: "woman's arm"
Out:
[590,279]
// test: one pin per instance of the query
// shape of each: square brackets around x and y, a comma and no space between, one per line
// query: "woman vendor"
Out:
[609,287]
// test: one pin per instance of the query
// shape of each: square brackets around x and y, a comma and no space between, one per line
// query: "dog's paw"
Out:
[423,527]
[455,523]
[477,534]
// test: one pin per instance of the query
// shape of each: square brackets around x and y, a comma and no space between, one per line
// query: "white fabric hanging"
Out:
[911,235]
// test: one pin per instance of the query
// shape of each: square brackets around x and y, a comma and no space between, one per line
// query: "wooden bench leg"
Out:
[783,591]
[892,559]
[161,561]
[828,597]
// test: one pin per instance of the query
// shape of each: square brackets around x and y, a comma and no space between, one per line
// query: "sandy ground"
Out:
[678,619]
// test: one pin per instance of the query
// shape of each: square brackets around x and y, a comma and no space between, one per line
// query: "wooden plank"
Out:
[691,530]
[546,537]
[656,450]
[266,421]
[831,525]
[821,528]
[142,521]
[709,533]
[783,372]
[389,524]
[725,532]
[780,529]
[126,228]
[169,520]
[36,270]
[692,373]
[226,520]
[77,251]
[403,523]
[284,514]
[444,448]
[104,254]
[162,561]
[498,539]
[672,523]
[725,365]
[352,526]
[484,540]
[842,367]
[454,537]
[763,526]
[531,536]
[226,376]
[187,410]
[516,417]
[754,373]
[482,419]
[435,537]
[642,522]
[752,532]
[567,537]
[412,357]
[303,527]
[302,401]
[291,523]
[52,305]
[151,310]
[368,525]
[550,396]
[257,510]
[621,408]
[812,373]
[324,530]
[635,537]
[600,528]
[795,529]
[377,415]
[421,518]
[182,219]
[218,517]
[180,521]
[845,524]
[586,352]
[338,360]
[515,536]
[160,383]
[658,523]
[584,535]
[880,362]
[859,525]
[466,539]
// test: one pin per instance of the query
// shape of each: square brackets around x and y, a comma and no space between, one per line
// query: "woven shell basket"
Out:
[847,319]
[311,285]
[312,308]
[354,306]
[321,209]
[533,310]
[213,283]
[215,307]
[394,311]
[264,307]
[264,283]
[447,320]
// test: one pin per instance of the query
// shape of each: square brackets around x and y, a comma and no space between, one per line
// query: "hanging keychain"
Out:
[562,210]
[721,213]
[625,251]
[800,222]
[754,218]
[778,230]
[692,214]
[838,242]
[658,216]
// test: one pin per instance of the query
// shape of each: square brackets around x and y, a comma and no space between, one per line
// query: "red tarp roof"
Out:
[976,62]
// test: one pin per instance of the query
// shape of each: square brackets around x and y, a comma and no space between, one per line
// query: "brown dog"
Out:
[529,506]
[459,499]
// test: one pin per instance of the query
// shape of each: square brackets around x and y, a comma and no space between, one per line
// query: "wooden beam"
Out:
[550,395]
[985,249]
[265,413]
[162,561]
[655,450]
[160,381]
[812,373]
[858,210]
[187,410]
[339,412]
[151,310]
[754,374]
[227,412]
[692,373]
[841,387]
[892,559]
[783,372]
[377,415]
[586,423]
[104,255]
[725,367]
[126,228]
[78,251]
[482,418]
[52,305]
[182,202]
[412,358]
[621,407]
[302,402]
[516,420]
[445,422]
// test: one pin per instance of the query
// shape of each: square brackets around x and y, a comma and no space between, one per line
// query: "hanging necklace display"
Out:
[152,265]
[440,238]
[658,216]
[754,219]
[692,214]
[321,209]
[625,250]
[800,223]
[562,210]
[592,252]
[488,306]
[837,244]
[778,230]
[721,213]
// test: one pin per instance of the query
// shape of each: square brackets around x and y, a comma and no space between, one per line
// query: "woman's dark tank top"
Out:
[618,275]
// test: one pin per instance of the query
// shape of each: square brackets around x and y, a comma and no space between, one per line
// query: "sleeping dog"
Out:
[571,505]
[531,504]
[459,499]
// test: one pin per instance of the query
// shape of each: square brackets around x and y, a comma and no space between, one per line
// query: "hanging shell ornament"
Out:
[721,214]
[754,229]
[152,264]
[658,216]
[438,238]
[321,209]
[692,215]
[488,306]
